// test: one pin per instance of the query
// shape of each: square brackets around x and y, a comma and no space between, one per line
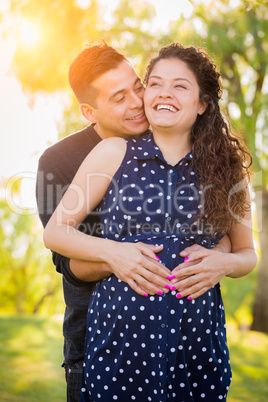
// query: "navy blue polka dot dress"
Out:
[158,348]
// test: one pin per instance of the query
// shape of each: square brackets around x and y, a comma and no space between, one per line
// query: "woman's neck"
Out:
[174,146]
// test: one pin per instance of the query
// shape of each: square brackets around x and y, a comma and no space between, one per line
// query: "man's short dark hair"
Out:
[89,65]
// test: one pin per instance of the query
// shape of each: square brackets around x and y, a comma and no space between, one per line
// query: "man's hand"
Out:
[137,265]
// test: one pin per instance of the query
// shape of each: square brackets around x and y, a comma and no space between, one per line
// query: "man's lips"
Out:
[140,116]
[164,106]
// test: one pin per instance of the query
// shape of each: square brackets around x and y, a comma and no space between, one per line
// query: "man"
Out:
[111,97]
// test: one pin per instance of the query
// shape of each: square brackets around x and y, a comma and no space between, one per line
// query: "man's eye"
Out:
[180,86]
[119,100]
[139,88]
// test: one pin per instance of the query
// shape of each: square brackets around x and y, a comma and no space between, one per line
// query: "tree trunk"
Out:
[260,308]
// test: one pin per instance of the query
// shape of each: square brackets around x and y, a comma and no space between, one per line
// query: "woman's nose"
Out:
[165,92]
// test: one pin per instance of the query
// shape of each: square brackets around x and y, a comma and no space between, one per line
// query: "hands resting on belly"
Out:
[137,265]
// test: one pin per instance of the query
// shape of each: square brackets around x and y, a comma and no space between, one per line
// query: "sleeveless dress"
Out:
[156,348]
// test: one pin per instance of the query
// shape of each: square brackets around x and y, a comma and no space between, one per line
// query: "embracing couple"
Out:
[144,314]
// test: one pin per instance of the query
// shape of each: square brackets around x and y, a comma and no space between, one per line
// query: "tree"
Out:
[63,29]
[236,37]
[238,40]
[27,277]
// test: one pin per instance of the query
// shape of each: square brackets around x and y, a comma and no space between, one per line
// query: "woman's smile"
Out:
[171,97]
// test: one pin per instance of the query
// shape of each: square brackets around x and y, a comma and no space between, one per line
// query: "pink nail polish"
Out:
[186,259]
[159,293]
[169,277]
[178,295]
[157,257]
[189,298]
[173,277]
[173,288]
[145,295]
[167,286]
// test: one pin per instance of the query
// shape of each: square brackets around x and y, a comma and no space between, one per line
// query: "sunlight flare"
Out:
[29,33]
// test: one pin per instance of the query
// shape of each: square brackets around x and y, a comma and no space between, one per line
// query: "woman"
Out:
[174,188]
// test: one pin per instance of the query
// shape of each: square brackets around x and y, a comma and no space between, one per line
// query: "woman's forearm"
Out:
[72,243]
[240,263]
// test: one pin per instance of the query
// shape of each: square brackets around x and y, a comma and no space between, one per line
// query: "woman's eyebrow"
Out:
[175,79]
[182,79]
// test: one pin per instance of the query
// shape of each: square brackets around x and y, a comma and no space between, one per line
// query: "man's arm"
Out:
[80,273]
[85,271]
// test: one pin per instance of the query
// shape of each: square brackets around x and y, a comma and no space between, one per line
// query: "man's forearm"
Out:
[90,271]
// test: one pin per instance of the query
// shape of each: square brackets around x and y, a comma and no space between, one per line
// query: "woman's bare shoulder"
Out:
[106,156]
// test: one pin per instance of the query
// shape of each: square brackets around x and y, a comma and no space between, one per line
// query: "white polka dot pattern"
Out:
[158,348]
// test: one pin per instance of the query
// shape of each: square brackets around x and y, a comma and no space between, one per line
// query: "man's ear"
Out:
[88,112]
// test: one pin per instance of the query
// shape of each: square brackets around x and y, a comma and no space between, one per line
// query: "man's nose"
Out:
[136,100]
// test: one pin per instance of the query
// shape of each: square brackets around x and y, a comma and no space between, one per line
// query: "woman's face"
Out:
[171,98]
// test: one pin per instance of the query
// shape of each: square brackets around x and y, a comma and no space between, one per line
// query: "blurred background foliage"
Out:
[235,32]
[236,35]
[28,284]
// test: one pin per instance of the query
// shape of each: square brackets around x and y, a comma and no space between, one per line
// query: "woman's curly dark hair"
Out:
[220,160]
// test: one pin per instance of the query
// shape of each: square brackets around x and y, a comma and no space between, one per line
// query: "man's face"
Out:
[119,107]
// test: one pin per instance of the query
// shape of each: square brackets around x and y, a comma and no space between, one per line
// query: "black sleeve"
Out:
[51,183]
[62,265]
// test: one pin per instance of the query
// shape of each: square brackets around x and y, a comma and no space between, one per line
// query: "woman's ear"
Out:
[203,104]
[88,112]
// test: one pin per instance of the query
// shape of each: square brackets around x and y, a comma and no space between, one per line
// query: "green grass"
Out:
[31,355]
[30,359]
[248,353]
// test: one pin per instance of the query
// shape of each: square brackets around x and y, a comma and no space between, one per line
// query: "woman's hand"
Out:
[202,269]
[138,266]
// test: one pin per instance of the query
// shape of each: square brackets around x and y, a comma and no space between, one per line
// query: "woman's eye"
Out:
[180,86]
[154,84]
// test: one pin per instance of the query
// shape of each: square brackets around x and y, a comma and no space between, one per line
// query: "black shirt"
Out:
[56,170]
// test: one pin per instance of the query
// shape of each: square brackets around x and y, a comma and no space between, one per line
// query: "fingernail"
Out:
[171,277]
[178,295]
[186,259]
[159,293]
[173,288]
[157,257]
[167,286]
[189,298]
[145,295]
